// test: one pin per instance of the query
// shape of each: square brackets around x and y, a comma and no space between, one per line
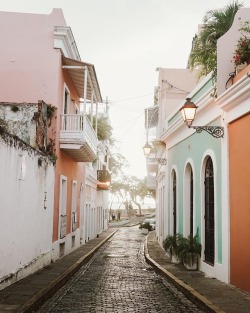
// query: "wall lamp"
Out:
[188,111]
[147,149]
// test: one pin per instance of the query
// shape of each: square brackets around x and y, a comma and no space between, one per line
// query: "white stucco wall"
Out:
[226,47]
[26,217]
[174,86]
[103,202]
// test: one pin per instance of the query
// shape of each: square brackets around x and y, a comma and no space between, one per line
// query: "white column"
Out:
[85,89]
[91,112]
[96,117]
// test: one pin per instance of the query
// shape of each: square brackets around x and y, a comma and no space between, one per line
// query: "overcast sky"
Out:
[127,40]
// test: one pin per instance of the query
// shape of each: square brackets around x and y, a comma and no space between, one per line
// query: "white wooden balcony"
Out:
[151,164]
[78,138]
[151,181]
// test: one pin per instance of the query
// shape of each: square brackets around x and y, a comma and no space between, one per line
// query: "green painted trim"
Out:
[205,88]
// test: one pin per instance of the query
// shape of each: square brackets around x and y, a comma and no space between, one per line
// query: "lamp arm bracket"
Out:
[161,161]
[215,131]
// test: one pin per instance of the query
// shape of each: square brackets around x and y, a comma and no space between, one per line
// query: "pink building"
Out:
[40,61]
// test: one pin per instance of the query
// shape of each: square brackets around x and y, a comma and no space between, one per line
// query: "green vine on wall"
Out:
[50,110]
[53,158]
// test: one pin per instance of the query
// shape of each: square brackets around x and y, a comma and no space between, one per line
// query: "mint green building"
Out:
[189,185]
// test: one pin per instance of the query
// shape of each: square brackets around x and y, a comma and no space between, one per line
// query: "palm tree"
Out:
[203,54]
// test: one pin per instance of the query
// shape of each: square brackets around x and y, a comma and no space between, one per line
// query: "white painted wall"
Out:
[174,85]
[225,50]
[91,224]
[103,203]
[26,210]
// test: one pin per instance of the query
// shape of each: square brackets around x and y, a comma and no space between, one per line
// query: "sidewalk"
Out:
[208,293]
[29,293]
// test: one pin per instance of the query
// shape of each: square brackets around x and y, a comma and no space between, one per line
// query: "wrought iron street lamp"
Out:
[147,149]
[188,111]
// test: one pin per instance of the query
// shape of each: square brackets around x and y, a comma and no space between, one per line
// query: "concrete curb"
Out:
[121,223]
[131,225]
[193,295]
[44,294]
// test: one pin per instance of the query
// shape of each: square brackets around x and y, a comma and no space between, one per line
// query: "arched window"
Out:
[174,204]
[191,202]
[209,212]
[188,200]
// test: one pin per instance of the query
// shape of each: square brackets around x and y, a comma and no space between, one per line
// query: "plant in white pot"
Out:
[145,227]
[170,244]
[189,250]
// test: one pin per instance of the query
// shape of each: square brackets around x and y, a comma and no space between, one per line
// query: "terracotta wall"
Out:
[239,156]
[65,165]
[240,74]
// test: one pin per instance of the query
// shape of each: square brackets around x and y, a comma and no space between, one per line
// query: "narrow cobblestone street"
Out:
[117,279]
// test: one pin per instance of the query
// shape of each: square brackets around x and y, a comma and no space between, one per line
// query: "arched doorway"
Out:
[191,201]
[209,212]
[174,204]
[188,200]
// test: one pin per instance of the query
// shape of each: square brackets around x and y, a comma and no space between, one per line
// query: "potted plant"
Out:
[145,227]
[241,56]
[170,244]
[189,250]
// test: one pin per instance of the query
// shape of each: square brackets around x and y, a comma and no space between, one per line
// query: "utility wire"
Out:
[172,86]
[127,132]
[150,94]
[130,121]
[134,97]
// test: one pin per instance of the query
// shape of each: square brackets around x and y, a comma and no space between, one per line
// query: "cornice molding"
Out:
[236,94]
[64,40]
[202,104]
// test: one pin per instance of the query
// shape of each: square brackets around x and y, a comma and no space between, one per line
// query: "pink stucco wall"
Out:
[28,61]
[31,70]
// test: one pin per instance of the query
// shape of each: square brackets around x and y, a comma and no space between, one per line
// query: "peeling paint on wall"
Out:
[19,119]
[27,203]
[31,122]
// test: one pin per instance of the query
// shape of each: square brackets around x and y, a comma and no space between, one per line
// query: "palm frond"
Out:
[203,55]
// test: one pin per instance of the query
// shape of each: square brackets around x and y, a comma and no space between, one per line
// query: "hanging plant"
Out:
[242,51]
